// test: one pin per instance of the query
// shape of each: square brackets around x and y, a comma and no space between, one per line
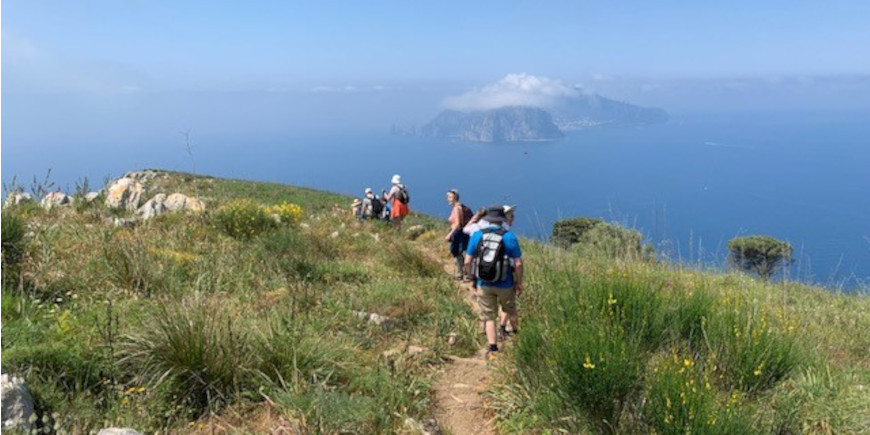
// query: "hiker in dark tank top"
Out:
[460,214]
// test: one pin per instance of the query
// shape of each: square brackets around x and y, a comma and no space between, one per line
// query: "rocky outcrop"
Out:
[181,202]
[507,124]
[144,176]
[154,207]
[124,193]
[176,202]
[17,403]
[17,198]
[92,196]
[55,199]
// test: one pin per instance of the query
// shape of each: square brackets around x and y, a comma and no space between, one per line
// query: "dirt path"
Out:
[460,407]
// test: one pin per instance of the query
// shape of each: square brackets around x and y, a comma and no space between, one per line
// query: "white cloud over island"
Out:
[513,90]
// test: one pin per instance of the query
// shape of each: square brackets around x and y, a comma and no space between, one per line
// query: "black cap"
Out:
[495,214]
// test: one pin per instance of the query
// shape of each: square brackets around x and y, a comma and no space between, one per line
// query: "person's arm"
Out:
[518,276]
[467,268]
[469,252]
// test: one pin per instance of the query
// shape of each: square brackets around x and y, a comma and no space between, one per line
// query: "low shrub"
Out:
[286,213]
[243,219]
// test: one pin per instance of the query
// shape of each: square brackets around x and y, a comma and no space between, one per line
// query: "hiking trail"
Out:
[460,406]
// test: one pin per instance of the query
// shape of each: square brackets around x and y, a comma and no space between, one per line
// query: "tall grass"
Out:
[13,244]
[631,347]
[197,349]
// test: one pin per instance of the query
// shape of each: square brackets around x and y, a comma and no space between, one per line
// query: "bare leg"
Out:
[490,332]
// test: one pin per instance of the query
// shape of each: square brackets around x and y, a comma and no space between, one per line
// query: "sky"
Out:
[99,87]
[112,71]
[122,46]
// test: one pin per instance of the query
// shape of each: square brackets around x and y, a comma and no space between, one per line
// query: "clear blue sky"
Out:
[139,44]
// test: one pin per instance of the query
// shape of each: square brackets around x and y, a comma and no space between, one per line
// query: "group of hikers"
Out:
[486,253]
[390,206]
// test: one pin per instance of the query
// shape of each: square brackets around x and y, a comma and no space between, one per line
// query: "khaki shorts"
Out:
[491,297]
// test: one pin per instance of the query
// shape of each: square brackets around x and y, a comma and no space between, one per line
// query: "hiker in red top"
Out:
[399,199]
[460,214]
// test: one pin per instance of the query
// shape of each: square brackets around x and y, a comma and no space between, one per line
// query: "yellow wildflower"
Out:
[588,364]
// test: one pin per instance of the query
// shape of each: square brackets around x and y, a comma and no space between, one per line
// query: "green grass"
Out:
[175,321]
[622,346]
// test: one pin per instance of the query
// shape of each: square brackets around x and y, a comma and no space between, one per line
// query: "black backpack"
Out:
[465,216]
[377,207]
[404,197]
[490,260]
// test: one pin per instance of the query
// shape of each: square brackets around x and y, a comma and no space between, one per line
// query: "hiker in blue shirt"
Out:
[495,252]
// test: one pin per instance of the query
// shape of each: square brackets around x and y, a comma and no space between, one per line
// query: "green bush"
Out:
[243,219]
[567,232]
[594,237]
[614,242]
[763,255]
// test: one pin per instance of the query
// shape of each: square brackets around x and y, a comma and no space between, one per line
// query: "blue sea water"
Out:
[689,185]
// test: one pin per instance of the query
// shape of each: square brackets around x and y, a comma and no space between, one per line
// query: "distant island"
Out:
[506,124]
[532,124]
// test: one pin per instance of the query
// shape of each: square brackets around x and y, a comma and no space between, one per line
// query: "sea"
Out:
[689,185]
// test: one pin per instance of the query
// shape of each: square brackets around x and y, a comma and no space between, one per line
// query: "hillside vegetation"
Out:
[229,321]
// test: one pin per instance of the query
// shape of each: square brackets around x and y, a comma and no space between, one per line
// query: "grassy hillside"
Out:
[227,321]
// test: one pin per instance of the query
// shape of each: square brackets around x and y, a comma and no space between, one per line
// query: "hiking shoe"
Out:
[491,356]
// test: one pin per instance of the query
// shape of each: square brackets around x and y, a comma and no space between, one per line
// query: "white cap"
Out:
[368,190]
[509,208]
[397,179]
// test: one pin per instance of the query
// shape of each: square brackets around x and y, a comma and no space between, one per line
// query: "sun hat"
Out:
[495,214]
[397,179]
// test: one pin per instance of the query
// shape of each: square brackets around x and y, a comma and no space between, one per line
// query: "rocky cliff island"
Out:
[533,124]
